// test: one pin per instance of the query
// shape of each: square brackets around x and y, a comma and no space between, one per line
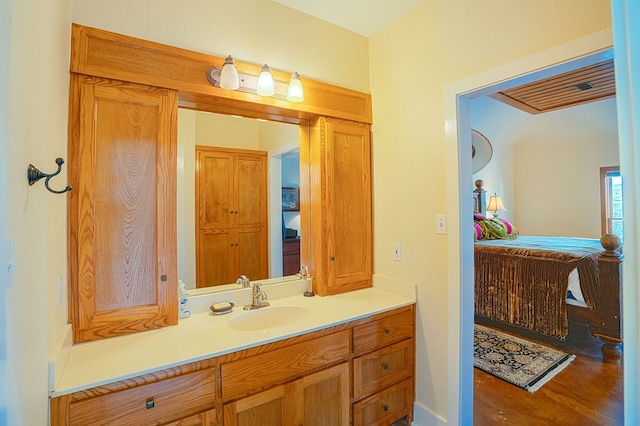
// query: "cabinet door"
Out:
[122,210]
[252,253]
[231,218]
[216,204]
[323,398]
[341,211]
[320,399]
[264,408]
[216,257]
[251,178]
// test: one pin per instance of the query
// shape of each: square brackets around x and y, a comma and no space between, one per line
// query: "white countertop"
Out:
[204,335]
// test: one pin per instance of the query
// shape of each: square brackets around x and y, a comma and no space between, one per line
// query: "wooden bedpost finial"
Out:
[479,183]
[611,243]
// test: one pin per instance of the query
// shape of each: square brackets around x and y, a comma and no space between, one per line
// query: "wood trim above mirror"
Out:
[102,53]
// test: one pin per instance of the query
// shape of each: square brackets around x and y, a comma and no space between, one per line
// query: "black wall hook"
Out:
[34,175]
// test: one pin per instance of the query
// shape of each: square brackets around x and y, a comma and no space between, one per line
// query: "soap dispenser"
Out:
[184,310]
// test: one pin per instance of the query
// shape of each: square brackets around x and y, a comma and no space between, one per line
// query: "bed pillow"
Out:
[510,227]
[477,232]
[497,229]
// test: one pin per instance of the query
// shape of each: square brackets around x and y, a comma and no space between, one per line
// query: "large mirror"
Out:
[241,152]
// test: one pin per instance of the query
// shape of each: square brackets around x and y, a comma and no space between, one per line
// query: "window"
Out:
[611,201]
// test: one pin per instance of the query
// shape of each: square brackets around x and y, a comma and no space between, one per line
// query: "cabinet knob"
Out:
[332,258]
[150,403]
[385,366]
[163,278]
[386,407]
[387,331]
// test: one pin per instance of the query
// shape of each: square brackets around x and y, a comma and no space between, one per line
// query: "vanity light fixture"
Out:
[265,86]
[229,79]
[295,93]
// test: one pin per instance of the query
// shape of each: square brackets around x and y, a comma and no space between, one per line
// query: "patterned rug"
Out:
[525,364]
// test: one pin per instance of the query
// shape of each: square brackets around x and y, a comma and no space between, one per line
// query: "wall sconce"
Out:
[229,79]
[495,205]
[263,85]
[34,175]
[295,93]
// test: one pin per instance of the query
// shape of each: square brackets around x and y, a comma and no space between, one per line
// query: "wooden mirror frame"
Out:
[99,53]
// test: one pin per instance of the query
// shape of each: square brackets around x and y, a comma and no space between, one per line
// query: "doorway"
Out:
[577,54]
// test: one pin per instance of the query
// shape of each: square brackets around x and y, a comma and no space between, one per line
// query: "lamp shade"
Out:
[229,75]
[495,204]
[295,93]
[265,86]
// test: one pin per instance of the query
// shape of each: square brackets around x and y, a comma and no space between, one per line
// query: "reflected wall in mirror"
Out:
[279,143]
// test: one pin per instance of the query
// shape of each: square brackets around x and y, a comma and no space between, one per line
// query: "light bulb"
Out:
[265,82]
[229,76]
[295,93]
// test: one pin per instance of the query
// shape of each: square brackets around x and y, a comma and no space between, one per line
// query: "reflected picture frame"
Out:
[290,199]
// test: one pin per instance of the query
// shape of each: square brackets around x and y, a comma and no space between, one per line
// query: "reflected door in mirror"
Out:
[231,218]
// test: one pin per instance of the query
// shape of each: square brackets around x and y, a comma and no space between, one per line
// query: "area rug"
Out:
[525,364]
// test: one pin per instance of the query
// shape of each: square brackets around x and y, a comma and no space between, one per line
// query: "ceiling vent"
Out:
[591,83]
[584,86]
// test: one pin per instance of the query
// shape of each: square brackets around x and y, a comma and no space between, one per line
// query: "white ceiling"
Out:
[365,17]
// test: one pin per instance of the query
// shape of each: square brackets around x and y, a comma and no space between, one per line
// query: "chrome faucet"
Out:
[243,281]
[258,297]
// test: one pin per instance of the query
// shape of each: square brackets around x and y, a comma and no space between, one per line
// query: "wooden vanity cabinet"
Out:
[231,224]
[358,373]
[341,210]
[383,368]
[122,213]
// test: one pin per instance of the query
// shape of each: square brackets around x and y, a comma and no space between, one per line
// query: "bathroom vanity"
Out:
[349,360]
[344,358]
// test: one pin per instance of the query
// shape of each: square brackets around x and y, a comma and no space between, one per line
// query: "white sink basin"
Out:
[268,317]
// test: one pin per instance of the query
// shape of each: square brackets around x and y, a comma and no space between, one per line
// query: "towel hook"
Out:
[34,175]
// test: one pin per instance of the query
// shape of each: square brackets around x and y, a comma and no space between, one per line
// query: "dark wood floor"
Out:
[587,392]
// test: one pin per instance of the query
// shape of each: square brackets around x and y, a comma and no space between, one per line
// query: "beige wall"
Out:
[558,185]
[36,218]
[253,31]
[546,166]
[438,44]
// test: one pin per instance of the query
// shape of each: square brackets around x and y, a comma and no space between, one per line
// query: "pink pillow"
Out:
[478,232]
[507,224]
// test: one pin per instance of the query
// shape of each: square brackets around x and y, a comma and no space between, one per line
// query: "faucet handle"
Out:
[243,281]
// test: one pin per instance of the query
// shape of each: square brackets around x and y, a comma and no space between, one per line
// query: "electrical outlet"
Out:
[441,224]
[397,252]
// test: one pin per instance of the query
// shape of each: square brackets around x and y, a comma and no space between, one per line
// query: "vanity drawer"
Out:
[155,403]
[385,407]
[377,370]
[383,332]
[256,373]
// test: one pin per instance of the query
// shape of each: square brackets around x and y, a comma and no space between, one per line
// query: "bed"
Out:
[539,283]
